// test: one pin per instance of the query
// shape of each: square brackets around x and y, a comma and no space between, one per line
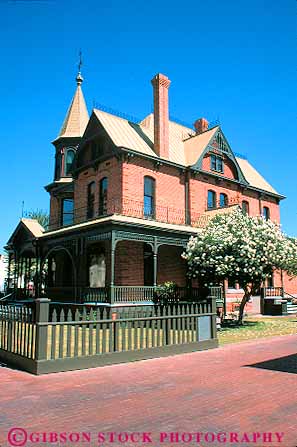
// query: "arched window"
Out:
[103,185]
[149,197]
[266,213]
[91,200]
[211,200]
[69,160]
[223,200]
[245,207]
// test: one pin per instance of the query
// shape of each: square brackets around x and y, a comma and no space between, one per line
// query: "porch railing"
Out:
[133,293]
[123,294]
[267,292]
[93,294]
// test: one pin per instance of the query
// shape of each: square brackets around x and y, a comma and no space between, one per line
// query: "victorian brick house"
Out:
[127,196]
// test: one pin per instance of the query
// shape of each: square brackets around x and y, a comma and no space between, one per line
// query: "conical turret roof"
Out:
[77,116]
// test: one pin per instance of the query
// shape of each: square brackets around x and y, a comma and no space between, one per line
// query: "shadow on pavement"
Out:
[286,364]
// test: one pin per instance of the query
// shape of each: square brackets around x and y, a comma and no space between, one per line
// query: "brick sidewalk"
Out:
[208,391]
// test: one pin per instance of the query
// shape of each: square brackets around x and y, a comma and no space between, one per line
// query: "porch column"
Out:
[37,282]
[155,254]
[29,275]
[25,276]
[21,271]
[112,266]
[15,273]
[8,272]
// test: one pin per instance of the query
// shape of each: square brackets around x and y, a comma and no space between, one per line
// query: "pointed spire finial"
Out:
[79,78]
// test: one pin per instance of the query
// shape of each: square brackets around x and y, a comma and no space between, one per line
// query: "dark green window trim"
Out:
[216,163]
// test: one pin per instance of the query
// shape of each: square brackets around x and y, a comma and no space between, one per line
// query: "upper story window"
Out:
[266,213]
[91,200]
[149,197]
[70,154]
[216,163]
[103,186]
[58,166]
[223,200]
[245,207]
[211,200]
[67,211]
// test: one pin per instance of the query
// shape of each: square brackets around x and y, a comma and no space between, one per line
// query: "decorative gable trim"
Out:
[225,149]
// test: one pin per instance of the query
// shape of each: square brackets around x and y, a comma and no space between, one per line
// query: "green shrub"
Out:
[166,293]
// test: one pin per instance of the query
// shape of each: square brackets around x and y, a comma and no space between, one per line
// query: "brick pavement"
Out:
[208,391]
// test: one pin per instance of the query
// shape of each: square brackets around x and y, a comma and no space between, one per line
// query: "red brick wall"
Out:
[129,264]
[198,193]
[171,266]
[289,282]
[170,189]
[126,179]
[129,268]
[55,211]
[200,185]
[110,169]
[253,200]
[273,207]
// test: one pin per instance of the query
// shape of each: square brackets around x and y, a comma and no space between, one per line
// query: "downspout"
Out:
[187,198]
[260,204]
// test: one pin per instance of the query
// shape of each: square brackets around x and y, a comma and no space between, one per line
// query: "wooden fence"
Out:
[51,338]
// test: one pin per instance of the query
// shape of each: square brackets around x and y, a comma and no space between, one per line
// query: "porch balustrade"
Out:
[93,294]
[272,292]
[133,293]
[123,294]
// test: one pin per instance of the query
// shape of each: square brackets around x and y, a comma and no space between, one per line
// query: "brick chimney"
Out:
[201,125]
[161,84]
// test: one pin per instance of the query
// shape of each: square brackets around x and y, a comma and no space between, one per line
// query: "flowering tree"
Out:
[240,247]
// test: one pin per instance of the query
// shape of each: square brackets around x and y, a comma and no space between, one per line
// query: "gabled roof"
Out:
[195,146]
[254,177]
[177,135]
[140,137]
[123,133]
[30,225]
[77,116]
[185,148]
[33,226]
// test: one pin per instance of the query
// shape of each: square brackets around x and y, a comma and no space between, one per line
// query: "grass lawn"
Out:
[258,327]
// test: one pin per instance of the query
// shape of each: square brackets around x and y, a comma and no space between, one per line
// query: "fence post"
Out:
[214,316]
[262,306]
[42,316]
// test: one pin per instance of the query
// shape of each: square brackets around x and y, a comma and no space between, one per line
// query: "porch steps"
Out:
[291,308]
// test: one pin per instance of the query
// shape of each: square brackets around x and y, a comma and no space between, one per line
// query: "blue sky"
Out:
[231,60]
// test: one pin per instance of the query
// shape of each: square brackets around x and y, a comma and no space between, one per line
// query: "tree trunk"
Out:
[246,297]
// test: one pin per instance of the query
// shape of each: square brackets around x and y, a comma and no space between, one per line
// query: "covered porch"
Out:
[116,266]
[24,275]
[113,261]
